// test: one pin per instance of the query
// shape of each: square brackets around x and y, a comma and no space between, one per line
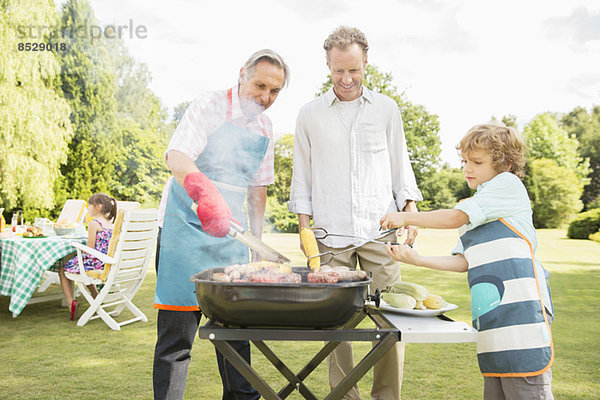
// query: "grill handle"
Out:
[376,297]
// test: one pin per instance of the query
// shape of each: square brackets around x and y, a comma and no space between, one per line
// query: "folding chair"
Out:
[128,205]
[129,253]
[74,211]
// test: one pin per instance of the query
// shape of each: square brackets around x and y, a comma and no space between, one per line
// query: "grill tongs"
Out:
[267,252]
[321,233]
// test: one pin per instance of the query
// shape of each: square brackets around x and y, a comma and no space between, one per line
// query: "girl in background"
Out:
[103,210]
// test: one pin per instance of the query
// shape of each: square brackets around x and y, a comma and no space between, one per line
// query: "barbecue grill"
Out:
[309,312]
[252,304]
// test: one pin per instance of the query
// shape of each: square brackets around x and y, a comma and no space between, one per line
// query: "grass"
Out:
[46,356]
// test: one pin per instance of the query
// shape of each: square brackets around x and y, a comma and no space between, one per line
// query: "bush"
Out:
[443,189]
[280,219]
[585,224]
[555,192]
[593,204]
[595,237]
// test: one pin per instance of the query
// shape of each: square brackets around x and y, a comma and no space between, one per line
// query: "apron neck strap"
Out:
[229,104]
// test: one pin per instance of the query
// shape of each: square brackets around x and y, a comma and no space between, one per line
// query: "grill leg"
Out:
[363,366]
[295,381]
[245,369]
[310,367]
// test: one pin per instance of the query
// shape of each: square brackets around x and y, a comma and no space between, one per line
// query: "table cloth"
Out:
[23,263]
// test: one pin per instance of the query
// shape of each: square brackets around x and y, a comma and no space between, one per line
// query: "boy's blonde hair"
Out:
[501,141]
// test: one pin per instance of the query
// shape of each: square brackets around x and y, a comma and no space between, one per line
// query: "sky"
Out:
[464,61]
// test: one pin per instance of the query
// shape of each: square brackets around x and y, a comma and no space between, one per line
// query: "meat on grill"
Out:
[352,275]
[274,277]
[221,277]
[269,272]
[323,277]
[346,274]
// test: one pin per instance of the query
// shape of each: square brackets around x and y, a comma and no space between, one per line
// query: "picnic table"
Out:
[24,262]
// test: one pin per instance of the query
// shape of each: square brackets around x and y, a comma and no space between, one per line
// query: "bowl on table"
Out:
[63,231]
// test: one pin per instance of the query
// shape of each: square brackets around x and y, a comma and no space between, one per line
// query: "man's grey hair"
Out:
[271,57]
[344,37]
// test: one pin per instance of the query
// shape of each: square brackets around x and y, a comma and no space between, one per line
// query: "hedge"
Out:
[584,224]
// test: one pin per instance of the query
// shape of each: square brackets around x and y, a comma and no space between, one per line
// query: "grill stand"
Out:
[389,329]
[385,333]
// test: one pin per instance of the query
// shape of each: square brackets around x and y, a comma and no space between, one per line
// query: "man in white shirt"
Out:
[351,167]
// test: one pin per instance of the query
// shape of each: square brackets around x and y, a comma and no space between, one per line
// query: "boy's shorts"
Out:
[532,387]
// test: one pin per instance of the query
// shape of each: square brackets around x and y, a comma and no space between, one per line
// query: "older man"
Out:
[221,150]
[351,167]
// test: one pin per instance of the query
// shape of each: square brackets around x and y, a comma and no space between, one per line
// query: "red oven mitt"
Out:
[213,211]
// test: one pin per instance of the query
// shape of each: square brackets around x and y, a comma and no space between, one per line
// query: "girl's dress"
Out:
[90,262]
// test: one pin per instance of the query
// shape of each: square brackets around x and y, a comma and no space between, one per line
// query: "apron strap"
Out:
[230,106]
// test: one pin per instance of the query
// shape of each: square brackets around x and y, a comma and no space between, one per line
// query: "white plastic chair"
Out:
[128,205]
[129,254]
[74,211]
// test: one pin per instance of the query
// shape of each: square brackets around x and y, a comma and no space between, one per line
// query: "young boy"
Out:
[510,297]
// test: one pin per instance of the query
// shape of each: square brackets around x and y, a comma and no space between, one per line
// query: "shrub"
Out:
[584,224]
[280,219]
[443,189]
[555,192]
[595,237]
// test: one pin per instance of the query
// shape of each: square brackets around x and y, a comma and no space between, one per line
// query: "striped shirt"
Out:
[503,196]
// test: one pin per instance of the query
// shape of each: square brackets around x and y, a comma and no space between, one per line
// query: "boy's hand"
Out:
[393,220]
[411,234]
[404,253]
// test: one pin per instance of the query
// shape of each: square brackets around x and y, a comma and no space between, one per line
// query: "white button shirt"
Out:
[348,177]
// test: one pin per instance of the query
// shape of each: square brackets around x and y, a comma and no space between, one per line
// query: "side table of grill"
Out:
[389,329]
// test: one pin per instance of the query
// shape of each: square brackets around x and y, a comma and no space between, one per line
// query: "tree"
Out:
[508,120]
[179,110]
[284,161]
[142,135]
[586,128]
[420,128]
[545,139]
[443,189]
[34,118]
[278,193]
[556,190]
[89,87]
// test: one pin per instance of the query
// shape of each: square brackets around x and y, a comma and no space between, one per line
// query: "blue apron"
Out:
[230,159]
[514,336]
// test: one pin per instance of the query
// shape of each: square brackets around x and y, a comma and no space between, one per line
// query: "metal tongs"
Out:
[267,252]
[321,233]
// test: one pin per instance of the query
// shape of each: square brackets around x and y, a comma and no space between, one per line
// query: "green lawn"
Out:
[43,355]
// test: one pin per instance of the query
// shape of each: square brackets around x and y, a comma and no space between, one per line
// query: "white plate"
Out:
[418,313]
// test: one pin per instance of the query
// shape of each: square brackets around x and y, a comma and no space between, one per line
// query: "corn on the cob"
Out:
[412,289]
[420,306]
[434,302]
[310,248]
[399,300]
